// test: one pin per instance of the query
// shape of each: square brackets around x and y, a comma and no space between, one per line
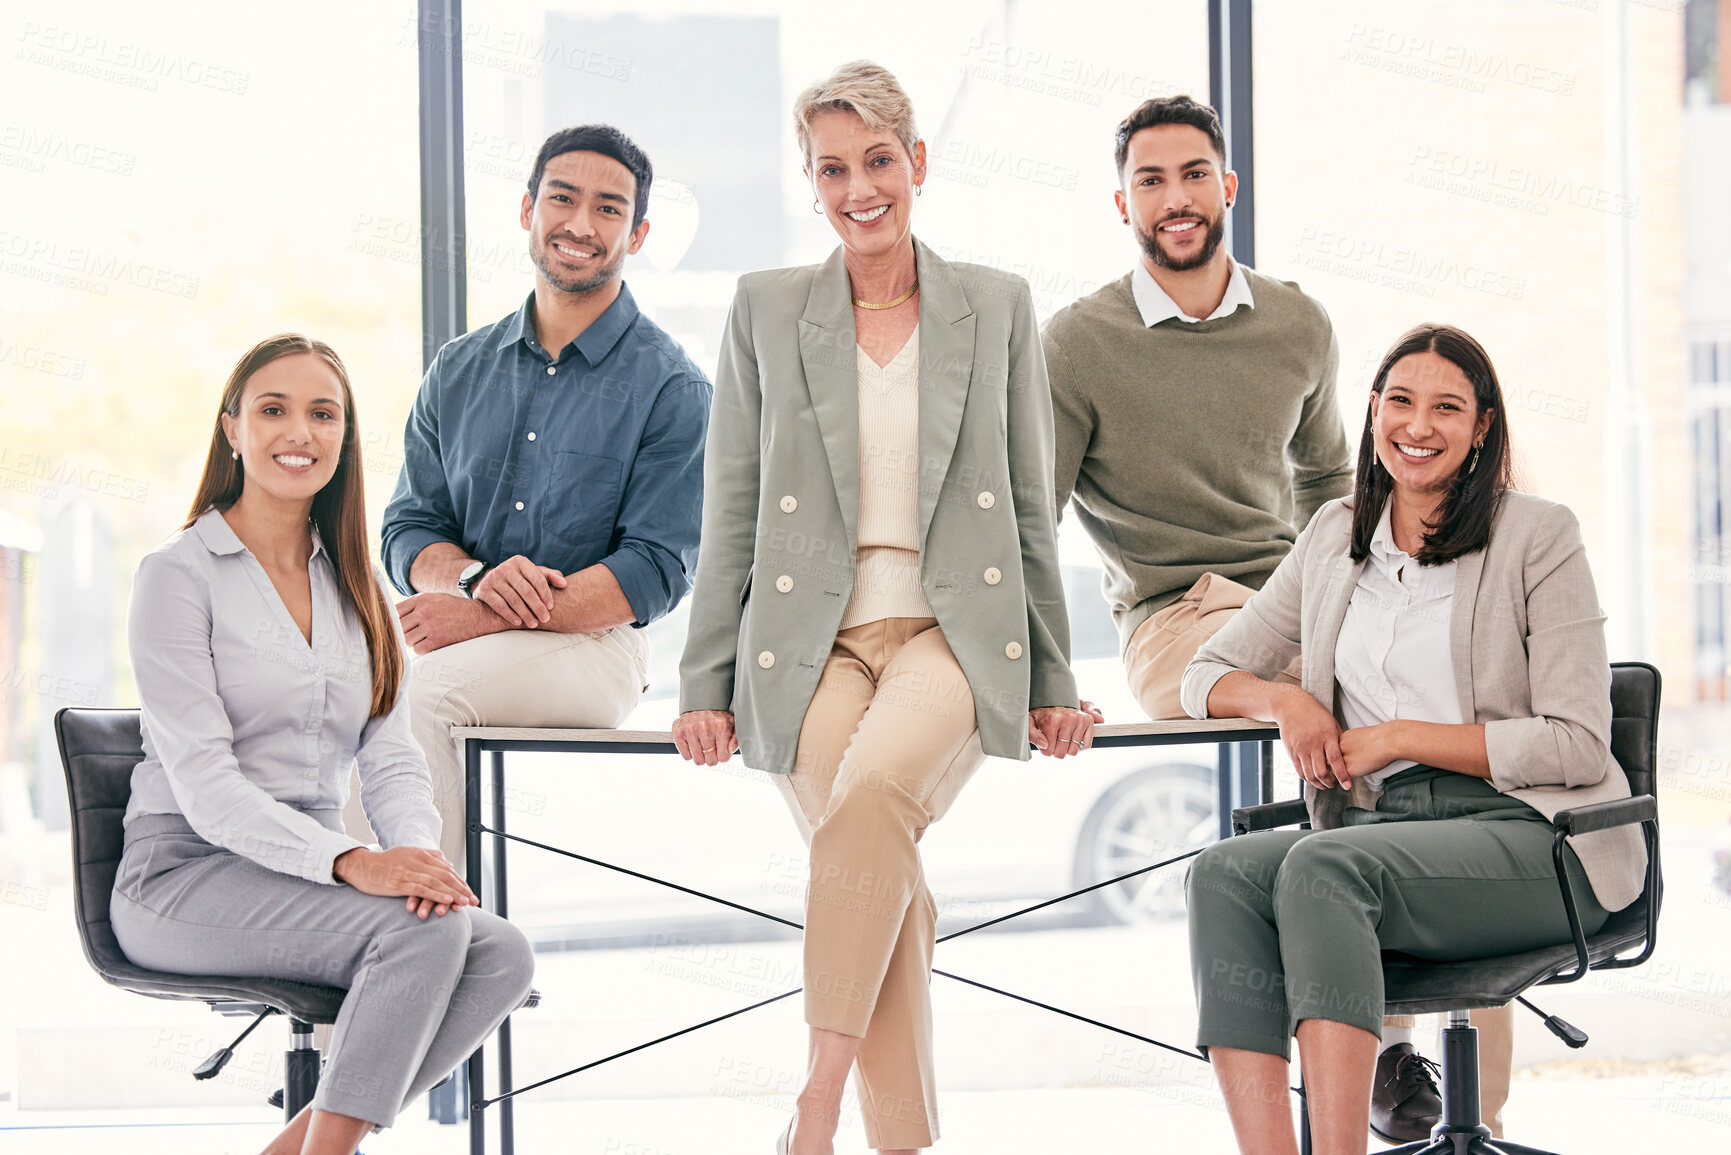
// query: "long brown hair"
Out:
[339,509]
[1464,519]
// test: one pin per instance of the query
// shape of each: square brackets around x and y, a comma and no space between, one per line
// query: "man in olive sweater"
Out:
[1197,431]
[1197,427]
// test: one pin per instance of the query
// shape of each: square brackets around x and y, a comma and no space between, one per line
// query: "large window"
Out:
[181,180]
[1517,176]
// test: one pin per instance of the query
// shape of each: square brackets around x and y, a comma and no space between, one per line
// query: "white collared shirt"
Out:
[249,729]
[1156,305]
[1392,659]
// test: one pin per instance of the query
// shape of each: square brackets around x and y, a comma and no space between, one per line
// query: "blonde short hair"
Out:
[870,91]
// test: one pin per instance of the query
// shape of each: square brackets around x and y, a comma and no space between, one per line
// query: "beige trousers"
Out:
[1164,644]
[1155,659]
[888,741]
[514,678]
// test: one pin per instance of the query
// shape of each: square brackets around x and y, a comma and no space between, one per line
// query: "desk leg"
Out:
[1265,758]
[472,854]
[1223,789]
[507,1120]
[1247,784]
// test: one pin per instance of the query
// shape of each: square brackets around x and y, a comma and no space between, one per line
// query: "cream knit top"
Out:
[887,561]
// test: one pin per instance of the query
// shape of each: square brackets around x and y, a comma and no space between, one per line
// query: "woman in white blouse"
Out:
[267,664]
[1456,694]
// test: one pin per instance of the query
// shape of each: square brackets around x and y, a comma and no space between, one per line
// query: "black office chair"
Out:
[1414,986]
[99,748]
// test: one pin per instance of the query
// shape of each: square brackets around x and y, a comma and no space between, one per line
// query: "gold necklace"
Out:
[914,288]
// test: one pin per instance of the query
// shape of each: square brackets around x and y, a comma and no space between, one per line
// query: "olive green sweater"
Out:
[1194,447]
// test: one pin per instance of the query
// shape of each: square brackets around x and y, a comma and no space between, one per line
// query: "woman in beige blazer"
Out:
[1456,695]
[877,603]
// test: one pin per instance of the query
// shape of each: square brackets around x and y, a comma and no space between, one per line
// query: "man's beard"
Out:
[1150,242]
[583,281]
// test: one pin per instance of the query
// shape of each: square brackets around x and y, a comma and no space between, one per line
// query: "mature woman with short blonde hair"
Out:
[878,603]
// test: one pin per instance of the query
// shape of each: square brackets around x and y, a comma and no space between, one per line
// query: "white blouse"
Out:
[249,729]
[887,562]
[1392,659]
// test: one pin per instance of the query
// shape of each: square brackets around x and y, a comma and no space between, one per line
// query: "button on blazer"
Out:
[775,565]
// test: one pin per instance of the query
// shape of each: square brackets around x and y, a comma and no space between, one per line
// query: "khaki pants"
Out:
[1155,659]
[1164,644]
[515,678]
[888,741]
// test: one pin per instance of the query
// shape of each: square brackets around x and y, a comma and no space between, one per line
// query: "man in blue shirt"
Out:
[552,483]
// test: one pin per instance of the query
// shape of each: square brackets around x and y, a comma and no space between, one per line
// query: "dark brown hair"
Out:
[609,142]
[339,509]
[1167,110]
[1464,521]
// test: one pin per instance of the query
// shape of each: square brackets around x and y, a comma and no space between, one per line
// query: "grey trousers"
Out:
[422,995]
[1289,925]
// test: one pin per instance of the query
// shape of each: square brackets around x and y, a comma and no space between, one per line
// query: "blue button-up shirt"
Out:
[595,455]
[250,729]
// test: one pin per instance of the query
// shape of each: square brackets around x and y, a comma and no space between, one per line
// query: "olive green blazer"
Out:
[775,567]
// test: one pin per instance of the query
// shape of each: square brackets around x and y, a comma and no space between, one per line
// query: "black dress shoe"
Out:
[1404,1101]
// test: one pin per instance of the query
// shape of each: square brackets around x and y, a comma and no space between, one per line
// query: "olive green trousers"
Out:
[1290,925]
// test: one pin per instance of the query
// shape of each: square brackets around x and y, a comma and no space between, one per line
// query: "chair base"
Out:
[301,1066]
[1461,1131]
[1477,1141]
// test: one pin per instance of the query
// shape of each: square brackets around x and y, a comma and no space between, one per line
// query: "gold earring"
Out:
[1474,463]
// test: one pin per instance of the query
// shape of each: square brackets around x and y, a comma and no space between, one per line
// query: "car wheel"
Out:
[1142,818]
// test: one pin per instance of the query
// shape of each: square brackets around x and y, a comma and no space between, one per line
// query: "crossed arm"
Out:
[515,594]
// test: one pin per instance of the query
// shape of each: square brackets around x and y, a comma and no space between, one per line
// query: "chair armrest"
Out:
[1269,815]
[1642,809]
[1605,815]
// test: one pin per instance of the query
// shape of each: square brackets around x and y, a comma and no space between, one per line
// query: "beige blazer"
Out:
[775,566]
[1527,638]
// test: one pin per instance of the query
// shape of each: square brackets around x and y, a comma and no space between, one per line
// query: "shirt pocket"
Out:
[582,503]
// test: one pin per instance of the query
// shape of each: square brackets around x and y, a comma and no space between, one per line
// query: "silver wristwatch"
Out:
[471,577]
